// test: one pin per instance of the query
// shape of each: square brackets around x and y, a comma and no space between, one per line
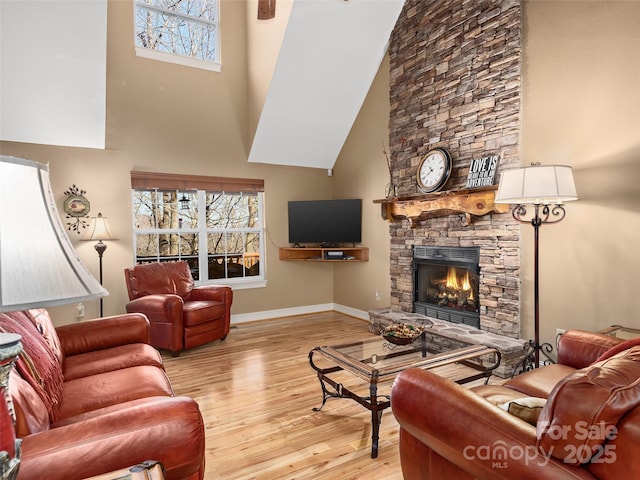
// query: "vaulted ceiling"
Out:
[329,56]
[330,53]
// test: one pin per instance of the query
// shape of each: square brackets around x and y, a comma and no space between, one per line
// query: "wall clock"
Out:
[434,170]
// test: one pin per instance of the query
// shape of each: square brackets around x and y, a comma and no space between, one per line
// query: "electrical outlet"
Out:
[377,295]
[560,331]
[79,311]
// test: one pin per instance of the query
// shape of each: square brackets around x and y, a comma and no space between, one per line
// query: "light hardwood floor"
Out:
[256,391]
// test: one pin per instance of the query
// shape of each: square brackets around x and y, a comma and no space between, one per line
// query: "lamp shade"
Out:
[537,184]
[38,265]
[98,229]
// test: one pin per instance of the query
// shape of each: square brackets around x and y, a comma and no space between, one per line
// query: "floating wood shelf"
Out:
[320,254]
[469,201]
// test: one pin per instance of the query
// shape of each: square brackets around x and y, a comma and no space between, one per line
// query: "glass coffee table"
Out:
[346,370]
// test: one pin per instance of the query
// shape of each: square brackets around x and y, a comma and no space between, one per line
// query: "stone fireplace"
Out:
[455,84]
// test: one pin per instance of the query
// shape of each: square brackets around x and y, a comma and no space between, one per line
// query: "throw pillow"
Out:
[527,408]
[37,363]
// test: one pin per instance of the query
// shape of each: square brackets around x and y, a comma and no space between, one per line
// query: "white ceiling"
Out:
[329,56]
[53,86]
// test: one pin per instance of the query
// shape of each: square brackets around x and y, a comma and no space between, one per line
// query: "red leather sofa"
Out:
[587,428]
[93,397]
[182,315]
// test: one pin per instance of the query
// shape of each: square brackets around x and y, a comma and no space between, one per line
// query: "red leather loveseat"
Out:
[93,397]
[584,418]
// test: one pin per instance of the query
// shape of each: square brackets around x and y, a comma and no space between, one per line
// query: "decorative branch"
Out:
[386,155]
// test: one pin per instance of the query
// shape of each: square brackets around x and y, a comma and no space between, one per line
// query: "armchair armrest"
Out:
[220,293]
[159,308]
[167,429]
[468,431]
[102,333]
[579,348]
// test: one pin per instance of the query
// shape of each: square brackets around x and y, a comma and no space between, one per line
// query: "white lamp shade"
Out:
[38,265]
[98,229]
[537,184]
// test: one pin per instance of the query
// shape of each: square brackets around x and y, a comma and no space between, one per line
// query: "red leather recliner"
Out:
[182,315]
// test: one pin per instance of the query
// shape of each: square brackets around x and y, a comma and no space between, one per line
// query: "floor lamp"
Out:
[545,188]
[99,230]
[38,268]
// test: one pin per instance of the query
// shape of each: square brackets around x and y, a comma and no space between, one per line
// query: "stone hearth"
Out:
[449,335]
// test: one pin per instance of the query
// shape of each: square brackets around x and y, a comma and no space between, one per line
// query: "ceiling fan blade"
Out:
[266,9]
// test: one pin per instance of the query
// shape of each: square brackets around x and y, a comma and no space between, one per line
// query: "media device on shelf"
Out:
[327,223]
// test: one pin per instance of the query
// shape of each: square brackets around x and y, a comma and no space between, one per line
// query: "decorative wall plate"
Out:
[77,208]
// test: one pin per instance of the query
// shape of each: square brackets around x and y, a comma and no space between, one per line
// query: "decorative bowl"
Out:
[399,340]
[401,334]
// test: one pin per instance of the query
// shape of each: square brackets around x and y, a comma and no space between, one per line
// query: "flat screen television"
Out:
[325,222]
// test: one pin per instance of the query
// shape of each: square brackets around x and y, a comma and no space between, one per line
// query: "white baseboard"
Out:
[289,312]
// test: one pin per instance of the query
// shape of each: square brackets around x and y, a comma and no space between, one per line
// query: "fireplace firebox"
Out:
[447,283]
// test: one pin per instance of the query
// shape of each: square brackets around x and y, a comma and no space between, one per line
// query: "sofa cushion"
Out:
[110,359]
[98,391]
[37,363]
[540,381]
[196,312]
[496,394]
[583,410]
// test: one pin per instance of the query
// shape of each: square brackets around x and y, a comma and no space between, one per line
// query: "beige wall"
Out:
[361,172]
[581,107]
[169,118]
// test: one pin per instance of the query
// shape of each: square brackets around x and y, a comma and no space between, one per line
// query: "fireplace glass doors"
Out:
[446,283]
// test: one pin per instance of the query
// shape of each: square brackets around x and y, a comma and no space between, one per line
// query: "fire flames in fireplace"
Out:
[447,283]
[447,286]
[457,291]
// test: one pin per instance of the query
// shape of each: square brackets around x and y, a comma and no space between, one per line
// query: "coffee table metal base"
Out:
[375,403]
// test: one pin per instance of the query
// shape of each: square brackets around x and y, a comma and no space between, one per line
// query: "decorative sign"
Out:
[482,171]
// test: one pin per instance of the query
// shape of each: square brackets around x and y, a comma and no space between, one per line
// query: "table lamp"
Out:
[99,230]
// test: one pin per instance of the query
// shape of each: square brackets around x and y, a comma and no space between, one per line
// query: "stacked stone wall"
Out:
[455,83]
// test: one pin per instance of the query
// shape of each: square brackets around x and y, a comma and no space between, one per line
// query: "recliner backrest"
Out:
[159,278]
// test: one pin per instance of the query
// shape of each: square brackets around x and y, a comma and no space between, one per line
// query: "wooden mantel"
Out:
[469,201]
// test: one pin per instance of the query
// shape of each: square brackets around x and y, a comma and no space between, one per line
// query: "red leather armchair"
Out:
[182,316]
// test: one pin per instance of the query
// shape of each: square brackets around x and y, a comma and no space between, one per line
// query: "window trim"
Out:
[178,182]
[178,59]
[174,181]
